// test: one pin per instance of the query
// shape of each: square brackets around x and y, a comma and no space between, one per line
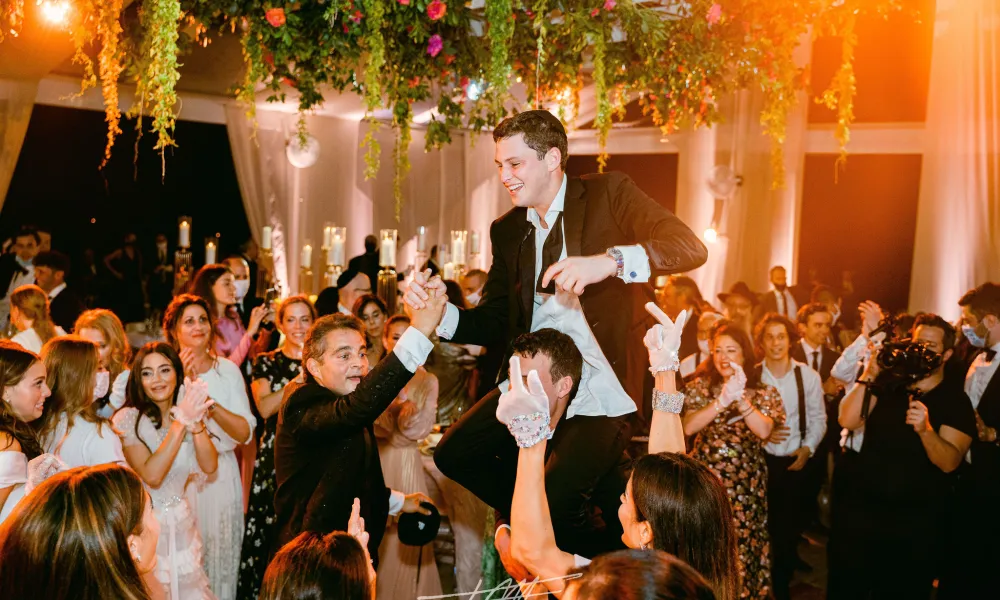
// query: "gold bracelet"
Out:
[202,430]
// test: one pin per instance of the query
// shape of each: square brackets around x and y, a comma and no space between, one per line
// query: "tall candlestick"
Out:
[265,238]
[184,237]
[337,254]
[210,251]
[307,254]
[458,245]
[448,272]
[327,235]
[421,239]
[387,255]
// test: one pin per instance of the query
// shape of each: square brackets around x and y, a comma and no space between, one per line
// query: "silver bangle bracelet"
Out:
[669,402]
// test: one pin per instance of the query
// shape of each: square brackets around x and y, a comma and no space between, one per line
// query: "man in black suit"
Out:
[325,453]
[563,257]
[51,269]
[972,571]
[17,267]
[161,275]
[367,263]
[782,298]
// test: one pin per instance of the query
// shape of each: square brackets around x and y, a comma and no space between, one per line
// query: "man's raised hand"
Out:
[422,288]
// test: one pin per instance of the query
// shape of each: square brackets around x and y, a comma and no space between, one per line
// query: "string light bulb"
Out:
[711,235]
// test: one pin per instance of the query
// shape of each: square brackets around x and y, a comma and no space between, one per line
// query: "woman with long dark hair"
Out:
[373,313]
[167,444]
[70,427]
[189,328]
[732,414]
[671,502]
[84,534]
[217,286]
[22,399]
[272,371]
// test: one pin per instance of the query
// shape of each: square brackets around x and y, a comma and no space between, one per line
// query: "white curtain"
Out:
[958,218]
[17,98]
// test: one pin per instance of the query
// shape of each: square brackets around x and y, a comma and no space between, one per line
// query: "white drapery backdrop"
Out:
[958,218]
[17,98]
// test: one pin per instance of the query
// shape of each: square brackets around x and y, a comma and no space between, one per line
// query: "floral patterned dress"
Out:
[736,455]
[259,534]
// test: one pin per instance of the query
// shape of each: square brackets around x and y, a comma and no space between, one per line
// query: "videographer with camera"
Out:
[918,424]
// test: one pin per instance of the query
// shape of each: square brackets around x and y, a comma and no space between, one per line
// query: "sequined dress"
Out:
[736,455]
[179,551]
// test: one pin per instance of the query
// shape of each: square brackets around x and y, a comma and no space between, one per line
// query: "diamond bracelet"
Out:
[529,430]
[670,402]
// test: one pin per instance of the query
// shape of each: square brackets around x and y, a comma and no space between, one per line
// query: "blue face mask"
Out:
[974,338]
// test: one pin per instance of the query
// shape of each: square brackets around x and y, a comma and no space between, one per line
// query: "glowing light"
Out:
[711,235]
[55,12]
[473,90]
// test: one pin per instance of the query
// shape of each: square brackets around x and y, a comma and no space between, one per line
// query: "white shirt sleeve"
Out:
[413,348]
[636,264]
[396,500]
[449,322]
[815,410]
[846,367]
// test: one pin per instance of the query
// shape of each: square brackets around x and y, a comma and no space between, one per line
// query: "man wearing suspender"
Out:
[790,448]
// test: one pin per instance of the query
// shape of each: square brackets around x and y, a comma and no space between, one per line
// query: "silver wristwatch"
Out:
[616,255]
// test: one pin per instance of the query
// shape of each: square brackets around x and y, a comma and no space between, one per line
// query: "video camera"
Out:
[902,362]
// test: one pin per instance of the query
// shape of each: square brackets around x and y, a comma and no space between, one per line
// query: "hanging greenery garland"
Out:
[676,58]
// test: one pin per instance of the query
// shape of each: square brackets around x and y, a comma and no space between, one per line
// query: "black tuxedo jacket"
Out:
[9,267]
[65,308]
[768,303]
[325,456]
[827,358]
[600,211]
[986,455]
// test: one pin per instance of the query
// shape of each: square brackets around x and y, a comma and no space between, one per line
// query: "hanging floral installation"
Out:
[476,64]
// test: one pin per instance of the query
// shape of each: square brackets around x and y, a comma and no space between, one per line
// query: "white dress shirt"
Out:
[815,411]
[55,291]
[852,360]
[785,303]
[808,349]
[981,371]
[600,393]
[343,309]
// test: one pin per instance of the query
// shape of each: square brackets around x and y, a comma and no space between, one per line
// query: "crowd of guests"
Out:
[276,451]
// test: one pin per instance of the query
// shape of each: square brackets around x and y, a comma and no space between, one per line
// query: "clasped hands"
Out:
[191,408]
[425,299]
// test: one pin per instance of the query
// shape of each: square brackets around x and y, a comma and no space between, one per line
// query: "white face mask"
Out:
[703,346]
[242,287]
[474,298]
[102,385]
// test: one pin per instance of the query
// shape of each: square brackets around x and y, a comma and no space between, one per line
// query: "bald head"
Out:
[239,266]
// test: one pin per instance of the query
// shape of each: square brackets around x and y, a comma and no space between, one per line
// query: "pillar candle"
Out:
[421,239]
[474,242]
[387,257]
[337,250]
[185,235]
[265,238]
[210,253]
[307,254]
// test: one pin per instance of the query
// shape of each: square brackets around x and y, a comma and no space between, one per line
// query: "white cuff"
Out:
[412,349]
[449,322]
[396,500]
[636,263]
[580,562]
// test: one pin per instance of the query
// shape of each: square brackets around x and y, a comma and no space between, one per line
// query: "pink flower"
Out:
[435,45]
[275,16]
[595,12]
[609,5]
[436,10]
[714,13]
[404,2]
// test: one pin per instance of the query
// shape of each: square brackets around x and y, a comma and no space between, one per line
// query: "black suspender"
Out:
[802,404]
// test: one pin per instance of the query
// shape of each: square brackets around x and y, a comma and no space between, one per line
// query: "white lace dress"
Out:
[179,551]
[13,473]
[220,501]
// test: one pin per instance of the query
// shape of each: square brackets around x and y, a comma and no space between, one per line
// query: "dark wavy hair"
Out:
[707,369]
[770,319]
[690,514]
[542,131]
[564,356]
[205,279]
[314,566]
[174,312]
[68,539]
[135,393]
[641,575]
[14,364]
